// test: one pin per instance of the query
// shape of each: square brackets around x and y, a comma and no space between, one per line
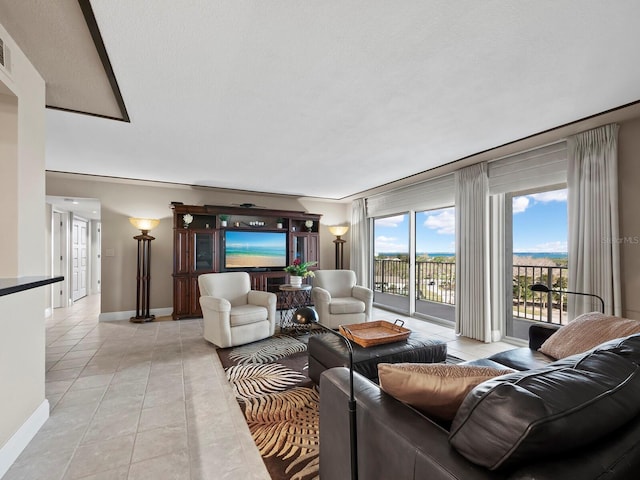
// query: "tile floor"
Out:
[150,401]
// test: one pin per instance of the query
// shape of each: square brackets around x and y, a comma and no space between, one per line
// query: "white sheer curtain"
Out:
[501,284]
[360,253]
[472,253]
[594,252]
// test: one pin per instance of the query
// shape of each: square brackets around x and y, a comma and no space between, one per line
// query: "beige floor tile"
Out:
[47,467]
[174,466]
[158,442]
[119,473]
[162,416]
[92,381]
[107,425]
[101,456]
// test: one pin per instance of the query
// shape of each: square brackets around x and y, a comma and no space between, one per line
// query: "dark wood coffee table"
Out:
[327,351]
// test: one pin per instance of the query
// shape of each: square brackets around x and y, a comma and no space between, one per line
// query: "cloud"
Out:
[390,221]
[444,223]
[552,196]
[389,244]
[520,204]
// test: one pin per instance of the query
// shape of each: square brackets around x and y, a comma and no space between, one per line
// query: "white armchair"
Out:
[338,300]
[233,313]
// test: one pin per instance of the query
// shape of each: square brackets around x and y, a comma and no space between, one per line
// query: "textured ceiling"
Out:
[333,98]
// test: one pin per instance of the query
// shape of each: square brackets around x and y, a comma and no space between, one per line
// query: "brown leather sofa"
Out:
[597,439]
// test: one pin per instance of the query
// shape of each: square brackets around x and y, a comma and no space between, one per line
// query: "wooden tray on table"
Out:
[369,334]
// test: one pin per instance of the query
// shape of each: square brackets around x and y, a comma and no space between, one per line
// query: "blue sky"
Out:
[540,222]
[539,225]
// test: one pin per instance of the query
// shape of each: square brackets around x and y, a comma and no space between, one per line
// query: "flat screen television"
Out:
[254,249]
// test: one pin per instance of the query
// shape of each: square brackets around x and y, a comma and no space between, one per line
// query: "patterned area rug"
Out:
[279,401]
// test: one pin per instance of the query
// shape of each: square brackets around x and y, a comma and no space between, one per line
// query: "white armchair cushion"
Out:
[340,306]
[246,314]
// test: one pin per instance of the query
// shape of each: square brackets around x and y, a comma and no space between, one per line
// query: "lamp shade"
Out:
[339,230]
[145,224]
[539,287]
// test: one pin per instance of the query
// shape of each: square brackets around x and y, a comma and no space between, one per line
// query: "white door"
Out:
[79,259]
[58,260]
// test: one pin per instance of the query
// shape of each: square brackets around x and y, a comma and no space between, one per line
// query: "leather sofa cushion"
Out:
[522,359]
[435,389]
[571,403]
[586,332]
[340,305]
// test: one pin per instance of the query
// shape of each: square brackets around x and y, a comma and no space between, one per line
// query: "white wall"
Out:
[23,407]
[120,200]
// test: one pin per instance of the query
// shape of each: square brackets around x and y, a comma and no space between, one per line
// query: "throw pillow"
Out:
[434,388]
[586,332]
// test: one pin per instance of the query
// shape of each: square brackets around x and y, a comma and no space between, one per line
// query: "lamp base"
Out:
[141,319]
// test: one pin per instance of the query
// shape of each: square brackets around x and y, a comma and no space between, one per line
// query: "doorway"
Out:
[75,248]
[79,264]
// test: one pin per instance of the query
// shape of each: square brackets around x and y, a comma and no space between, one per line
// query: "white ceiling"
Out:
[333,98]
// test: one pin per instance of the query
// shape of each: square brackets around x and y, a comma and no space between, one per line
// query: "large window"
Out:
[435,263]
[538,246]
[391,261]
[414,262]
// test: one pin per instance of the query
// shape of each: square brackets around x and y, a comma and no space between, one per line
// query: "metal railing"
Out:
[539,306]
[436,282]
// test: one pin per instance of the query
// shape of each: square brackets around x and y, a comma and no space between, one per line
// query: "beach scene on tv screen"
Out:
[255,249]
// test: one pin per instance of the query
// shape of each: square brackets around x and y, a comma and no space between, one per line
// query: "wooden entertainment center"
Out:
[199,247]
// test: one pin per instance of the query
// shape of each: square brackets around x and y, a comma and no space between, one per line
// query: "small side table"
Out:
[292,298]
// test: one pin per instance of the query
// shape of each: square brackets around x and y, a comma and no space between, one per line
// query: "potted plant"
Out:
[223,219]
[299,270]
[279,222]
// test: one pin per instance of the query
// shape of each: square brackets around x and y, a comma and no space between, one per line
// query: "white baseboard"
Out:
[115,316]
[19,441]
[48,312]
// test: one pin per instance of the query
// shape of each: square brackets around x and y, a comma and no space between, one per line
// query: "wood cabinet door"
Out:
[181,288]
[181,252]
[204,252]
[194,298]
[312,248]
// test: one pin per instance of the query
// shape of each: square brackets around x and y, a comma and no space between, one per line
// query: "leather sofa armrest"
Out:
[538,334]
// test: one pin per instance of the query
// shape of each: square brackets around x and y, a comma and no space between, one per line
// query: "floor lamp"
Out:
[308,316]
[143,278]
[541,287]
[338,231]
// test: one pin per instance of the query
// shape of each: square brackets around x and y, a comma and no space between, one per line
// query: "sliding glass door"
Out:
[536,242]
[391,269]
[435,263]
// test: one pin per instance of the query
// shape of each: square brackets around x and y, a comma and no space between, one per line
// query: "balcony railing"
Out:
[538,306]
[436,282]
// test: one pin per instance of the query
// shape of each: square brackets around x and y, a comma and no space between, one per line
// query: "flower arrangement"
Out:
[187,218]
[300,268]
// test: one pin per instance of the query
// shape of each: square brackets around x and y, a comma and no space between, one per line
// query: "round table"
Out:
[291,298]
